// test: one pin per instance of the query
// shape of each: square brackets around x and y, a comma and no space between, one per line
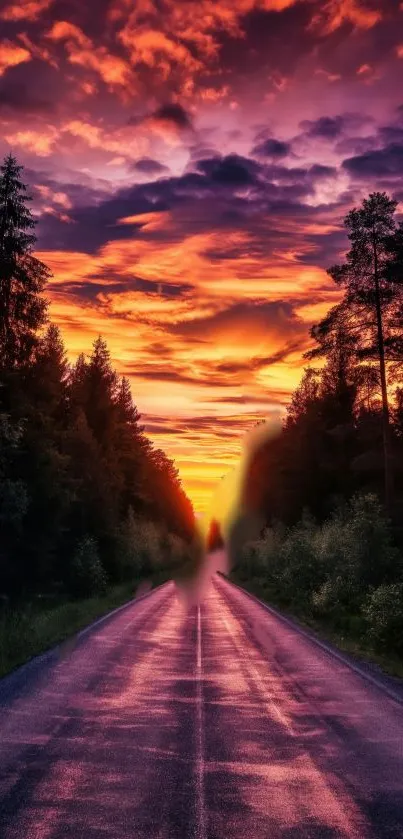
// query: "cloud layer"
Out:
[190,165]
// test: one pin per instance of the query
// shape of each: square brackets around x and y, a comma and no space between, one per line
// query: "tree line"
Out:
[328,492]
[86,499]
[343,431]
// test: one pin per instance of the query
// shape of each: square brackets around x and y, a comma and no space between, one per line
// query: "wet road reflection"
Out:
[209,719]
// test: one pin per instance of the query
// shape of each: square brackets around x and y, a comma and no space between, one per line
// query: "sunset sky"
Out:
[191,162]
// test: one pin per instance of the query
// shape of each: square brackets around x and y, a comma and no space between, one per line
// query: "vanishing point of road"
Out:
[175,719]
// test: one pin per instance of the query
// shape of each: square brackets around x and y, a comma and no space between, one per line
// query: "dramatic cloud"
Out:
[173,114]
[148,166]
[25,10]
[190,164]
[377,164]
[334,13]
[271,148]
[327,127]
[11,55]
[114,71]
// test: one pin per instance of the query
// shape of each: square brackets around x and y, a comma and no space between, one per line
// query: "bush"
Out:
[328,571]
[299,567]
[383,612]
[87,573]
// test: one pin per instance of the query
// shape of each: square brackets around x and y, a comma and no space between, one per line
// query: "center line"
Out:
[200,809]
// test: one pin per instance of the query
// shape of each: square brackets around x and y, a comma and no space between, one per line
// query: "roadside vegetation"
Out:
[29,627]
[344,576]
[327,491]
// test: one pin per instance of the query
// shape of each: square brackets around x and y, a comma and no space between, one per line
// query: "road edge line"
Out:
[46,656]
[343,659]
[116,611]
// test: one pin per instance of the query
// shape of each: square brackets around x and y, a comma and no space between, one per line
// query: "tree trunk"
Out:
[385,404]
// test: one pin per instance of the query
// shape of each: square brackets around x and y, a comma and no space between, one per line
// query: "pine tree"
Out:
[100,392]
[126,409]
[22,276]
[49,373]
[371,293]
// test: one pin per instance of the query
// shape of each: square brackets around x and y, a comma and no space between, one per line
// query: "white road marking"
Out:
[200,805]
[114,612]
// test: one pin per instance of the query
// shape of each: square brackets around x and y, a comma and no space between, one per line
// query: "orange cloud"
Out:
[213,94]
[59,198]
[157,50]
[51,211]
[11,55]
[39,142]
[114,71]
[37,50]
[96,137]
[186,36]
[336,12]
[62,31]
[25,10]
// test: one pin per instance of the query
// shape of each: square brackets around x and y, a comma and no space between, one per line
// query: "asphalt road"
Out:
[175,719]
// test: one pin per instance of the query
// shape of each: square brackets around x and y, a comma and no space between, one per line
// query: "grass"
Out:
[390,663]
[35,628]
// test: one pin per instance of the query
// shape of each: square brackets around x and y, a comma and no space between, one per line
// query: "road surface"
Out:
[174,720]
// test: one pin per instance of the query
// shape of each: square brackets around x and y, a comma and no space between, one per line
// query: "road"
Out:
[175,719]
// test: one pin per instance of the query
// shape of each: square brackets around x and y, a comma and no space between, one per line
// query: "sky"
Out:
[191,162]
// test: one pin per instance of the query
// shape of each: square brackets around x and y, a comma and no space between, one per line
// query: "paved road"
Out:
[175,720]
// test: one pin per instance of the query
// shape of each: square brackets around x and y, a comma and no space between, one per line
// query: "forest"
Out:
[328,493]
[86,500]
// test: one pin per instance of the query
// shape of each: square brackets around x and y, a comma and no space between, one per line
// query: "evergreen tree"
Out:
[371,294]
[49,374]
[126,409]
[22,276]
[76,385]
[100,392]
[13,504]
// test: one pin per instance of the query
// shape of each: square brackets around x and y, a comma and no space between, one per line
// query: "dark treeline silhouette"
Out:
[85,498]
[329,488]
[343,431]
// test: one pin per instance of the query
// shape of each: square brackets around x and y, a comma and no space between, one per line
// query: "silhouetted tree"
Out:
[371,292]
[22,276]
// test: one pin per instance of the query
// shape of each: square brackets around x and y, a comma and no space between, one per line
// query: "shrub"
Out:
[383,611]
[329,570]
[88,576]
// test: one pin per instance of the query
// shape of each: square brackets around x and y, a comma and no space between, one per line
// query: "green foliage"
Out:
[383,611]
[38,625]
[13,493]
[344,572]
[87,574]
